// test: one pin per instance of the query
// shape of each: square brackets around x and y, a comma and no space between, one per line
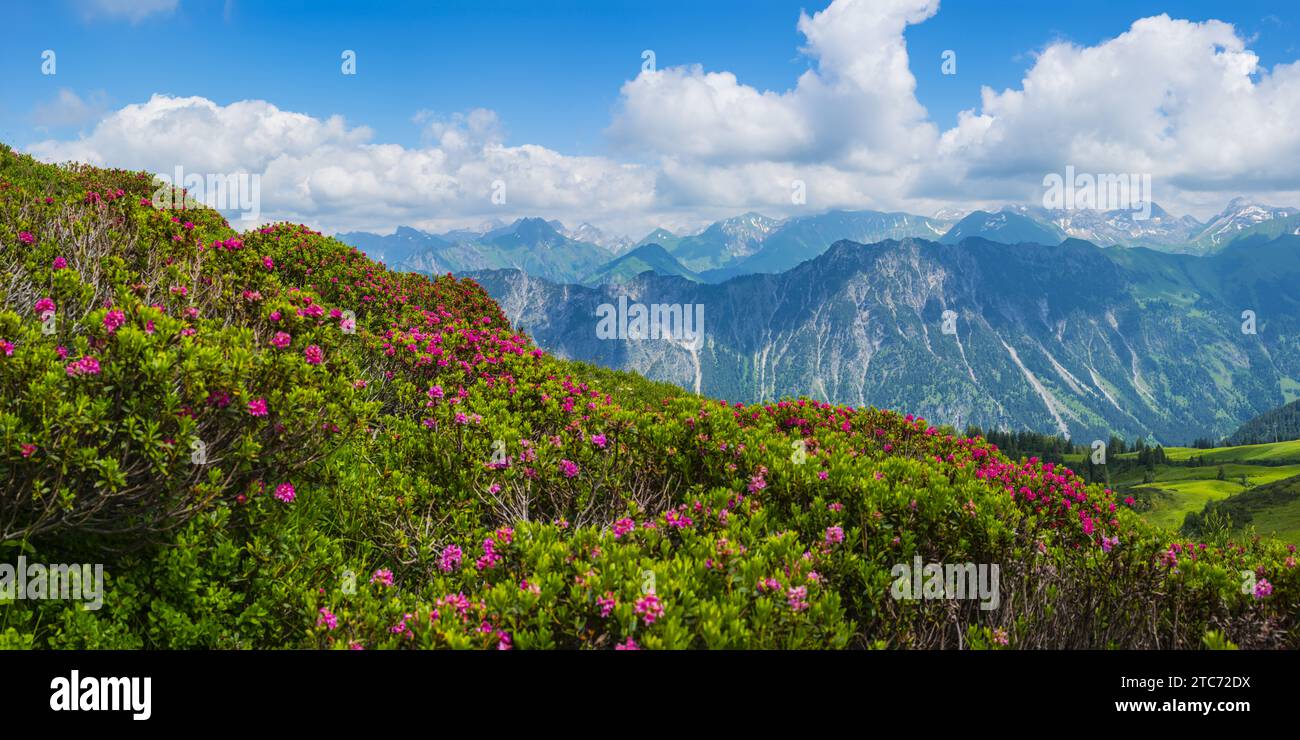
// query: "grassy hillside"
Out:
[1272,509]
[271,441]
[1269,453]
[1198,477]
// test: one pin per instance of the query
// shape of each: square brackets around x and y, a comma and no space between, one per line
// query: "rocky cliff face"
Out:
[1070,338]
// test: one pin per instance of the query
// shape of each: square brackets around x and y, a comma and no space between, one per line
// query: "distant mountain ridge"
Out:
[756,244]
[1067,338]
[1005,227]
[1150,226]
[1241,215]
[645,258]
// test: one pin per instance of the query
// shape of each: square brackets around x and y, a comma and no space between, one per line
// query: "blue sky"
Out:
[551,71]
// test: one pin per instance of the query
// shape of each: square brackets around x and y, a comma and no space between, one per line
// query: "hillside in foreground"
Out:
[271,441]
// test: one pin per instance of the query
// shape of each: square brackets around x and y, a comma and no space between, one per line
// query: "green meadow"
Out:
[1177,490]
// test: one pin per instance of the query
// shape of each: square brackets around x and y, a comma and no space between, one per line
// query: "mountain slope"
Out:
[800,239]
[1063,338]
[1005,227]
[1277,425]
[648,257]
[1268,230]
[401,246]
[1241,215]
[1157,229]
[722,243]
[529,244]
[585,232]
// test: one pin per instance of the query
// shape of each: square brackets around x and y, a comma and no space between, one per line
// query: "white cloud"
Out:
[333,176]
[1186,102]
[858,106]
[131,10]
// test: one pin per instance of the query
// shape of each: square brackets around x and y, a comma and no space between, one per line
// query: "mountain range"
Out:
[755,244]
[1085,323]
[1068,338]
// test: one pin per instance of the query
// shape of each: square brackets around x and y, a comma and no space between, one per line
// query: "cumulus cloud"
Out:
[1186,102]
[857,106]
[333,175]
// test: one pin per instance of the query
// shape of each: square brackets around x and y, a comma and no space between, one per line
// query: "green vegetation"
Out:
[1272,509]
[1270,453]
[270,441]
[1278,425]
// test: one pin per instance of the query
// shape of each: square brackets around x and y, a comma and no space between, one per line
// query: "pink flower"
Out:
[1109,542]
[383,576]
[26,237]
[796,597]
[313,355]
[623,526]
[7,348]
[569,468]
[834,535]
[489,557]
[268,263]
[327,619]
[451,558]
[599,440]
[630,644]
[44,305]
[257,407]
[281,340]
[27,449]
[822,474]
[60,263]
[606,603]
[1263,588]
[284,492]
[85,366]
[650,608]
[678,519]
[435,392]
[113,320]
